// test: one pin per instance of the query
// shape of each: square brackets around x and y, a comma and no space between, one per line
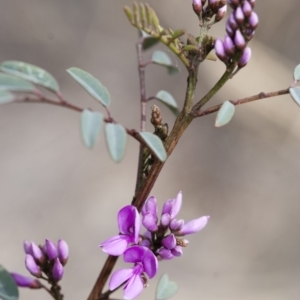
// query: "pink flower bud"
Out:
[193,226]
[221,13]
[239,15]
[232,23]
[247,9]
[51,250]
[177,251]
[245,57]
[37,253]
[169,241]
[253,20]
[149,222]
[165,253]
[219,49]
[197,7]
[24,281]
[239,40]
[31,266]
[27,247]
[63,251]
[57,270]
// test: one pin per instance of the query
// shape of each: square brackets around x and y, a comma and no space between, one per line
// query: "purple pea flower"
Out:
[129,226]
[170,209]
[149,213]
[24,281]
[144,262]
[193,226]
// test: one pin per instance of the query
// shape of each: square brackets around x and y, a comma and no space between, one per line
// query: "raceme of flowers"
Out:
[161,240]
[46,262]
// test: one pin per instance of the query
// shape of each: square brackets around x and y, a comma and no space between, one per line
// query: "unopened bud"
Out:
[27,247]
[24,281]
[63,251]
[165,220]
[177,251]
[149,222]
[229,30]
[169,241]
[253,20]
[176,224]
[32,267]
[37,253]
[57,270]
[239,40]
[232,23]
[219,49]
[221,13]
[245,57]
[239,15]
[165,253]
[229,46]
[197,7]
[51,250]
[247,8]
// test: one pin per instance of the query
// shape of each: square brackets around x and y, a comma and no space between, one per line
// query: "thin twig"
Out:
[259,96]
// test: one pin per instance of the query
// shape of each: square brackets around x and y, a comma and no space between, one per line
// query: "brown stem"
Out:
[259,96]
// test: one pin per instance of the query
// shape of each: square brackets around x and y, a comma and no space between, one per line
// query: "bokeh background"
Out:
[244,175]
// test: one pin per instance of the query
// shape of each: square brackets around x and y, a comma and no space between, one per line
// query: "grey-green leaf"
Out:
[162,58]
[297,73]
[225,114]
[165,288]
[155,145]
[14,84]
[92,85]
[91,124]
[31,73]
[295,93]
[167,99]
[116,138]
[6,97]
[8,287]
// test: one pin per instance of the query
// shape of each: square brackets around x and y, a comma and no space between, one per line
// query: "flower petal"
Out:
[150,263]
[150,206]
[134,287]
[165,253]
[193,226]
[172,206]
[119,277]
[149,221]
[116,245]
[135,254]
[169,241]
[127,219]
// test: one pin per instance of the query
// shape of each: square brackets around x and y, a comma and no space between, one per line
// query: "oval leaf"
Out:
[167,99]
[15,84]
[8,287]
[31,73]
[161,58]
[116,138]
[297,73]
[225,114]
[91,124]
[92,85]
[155,145]
[165,288]
[6,97]
[295,93]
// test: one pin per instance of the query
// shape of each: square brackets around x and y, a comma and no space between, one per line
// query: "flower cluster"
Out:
[240,28]
[48,260]
[215,8]
[160,241]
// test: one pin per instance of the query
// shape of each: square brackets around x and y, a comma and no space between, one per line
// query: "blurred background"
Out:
[244,175]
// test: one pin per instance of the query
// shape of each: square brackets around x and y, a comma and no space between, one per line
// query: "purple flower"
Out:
[193,226]
[57,270]
[220,50]
[31,266]
[24,281]
[37,253]
[149,213]
[63,251]
[129,226]
[27,247]
[245,57]
[144,262]
[50,249]
[197,6]
[170,209]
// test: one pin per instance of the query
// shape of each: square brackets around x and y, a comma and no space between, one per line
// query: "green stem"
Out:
[215,89]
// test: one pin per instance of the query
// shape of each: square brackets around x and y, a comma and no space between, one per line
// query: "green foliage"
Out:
[6,97]
[15,84]
[92,85]
[297,73]
[155,145]
[225,114]
[91,124]
[31,73]
[116,138]
[295,93]
[162,58]
[165,288]
[8,287]
[167,99]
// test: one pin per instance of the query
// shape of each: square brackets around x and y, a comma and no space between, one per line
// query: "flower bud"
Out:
[239,15]
[27,247]
[57,270]
[37,253]
[172,206]
[177,251]
[232,23]
[51,250]
[150,206]
[197,7]
[229,46]
[149,222]
[165,253]
[165,220]
[247,9]
[169,241]
[214,5]
[23,281]
[219,49]
[229,30]
[176,224]
[221,13]
[239,40]
[253,20]
[245,57]
[63,251]
[193,226]
[31,266]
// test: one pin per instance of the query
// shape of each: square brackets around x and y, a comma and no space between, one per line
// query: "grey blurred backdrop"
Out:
[245,175]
